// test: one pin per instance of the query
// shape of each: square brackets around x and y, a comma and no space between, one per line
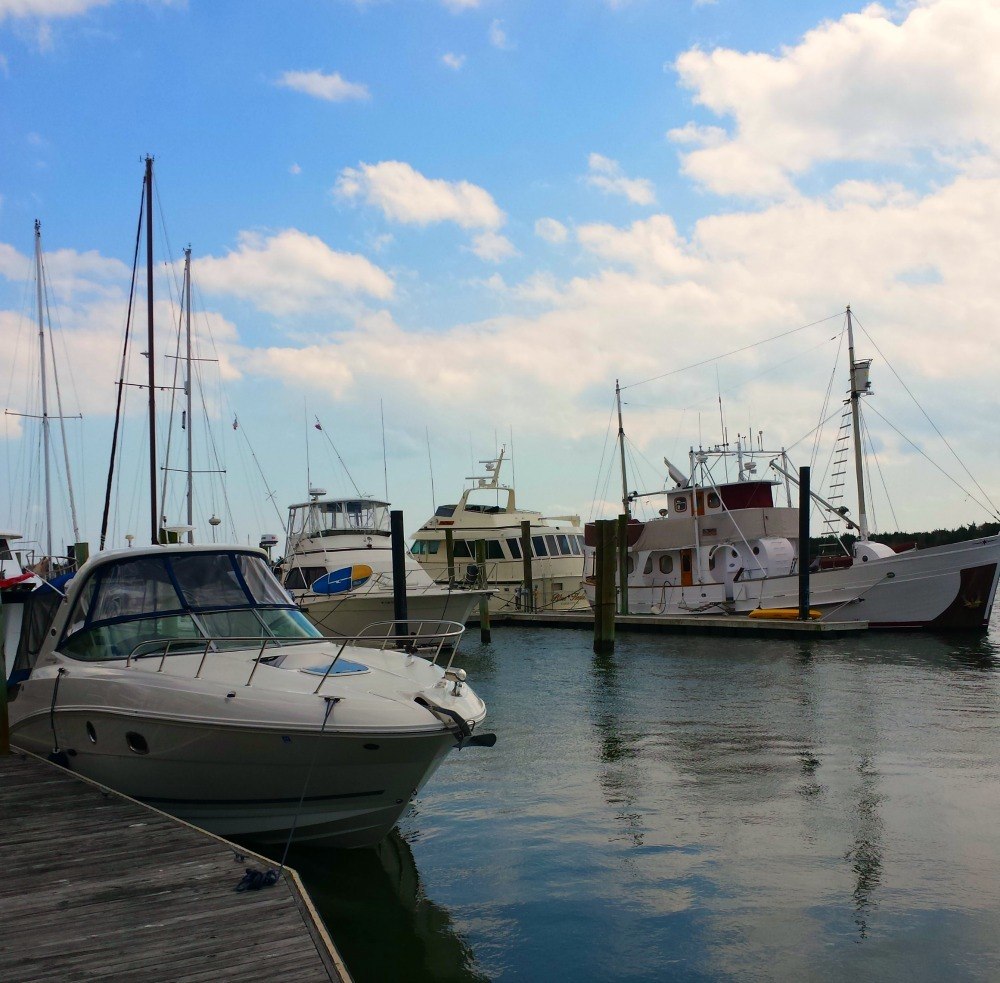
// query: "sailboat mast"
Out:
[45,399]
[621,447]
[188,386]
[150,354]
[856,421]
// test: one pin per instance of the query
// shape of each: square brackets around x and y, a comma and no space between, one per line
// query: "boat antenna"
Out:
[121,379]
[350,477]
[187,388]
[385,460]
[45,403]
[621,447]
[151,353]
[513,468]
[305,419]
[856,421]
[430,466]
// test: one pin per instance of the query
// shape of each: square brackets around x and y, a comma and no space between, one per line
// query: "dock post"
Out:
[623,563]
[804,507]
[398,572]
[4,721]
[484,602]
[449,552]
[604,600]
[81,553]
[528,591]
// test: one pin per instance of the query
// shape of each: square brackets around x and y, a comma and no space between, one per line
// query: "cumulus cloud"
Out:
[872,86]
[551,230]
[498,36]
[457,5]
[48,9]
[607,174]
[332,88]
[403,194]
[453,61]
[493,247]
[291,272]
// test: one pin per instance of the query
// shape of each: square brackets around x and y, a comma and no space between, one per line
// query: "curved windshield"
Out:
[224,596]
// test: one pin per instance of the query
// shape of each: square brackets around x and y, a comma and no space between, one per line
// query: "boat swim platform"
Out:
[733,625]
[99,886]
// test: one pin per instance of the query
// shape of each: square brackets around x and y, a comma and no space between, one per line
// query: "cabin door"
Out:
[686,578]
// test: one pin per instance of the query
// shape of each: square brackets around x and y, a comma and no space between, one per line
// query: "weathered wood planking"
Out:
[97,886]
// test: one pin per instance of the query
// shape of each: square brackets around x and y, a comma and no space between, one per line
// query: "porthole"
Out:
[136,742]
[91,733]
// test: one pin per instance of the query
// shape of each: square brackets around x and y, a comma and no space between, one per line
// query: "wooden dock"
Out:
[96,885]
[734,625]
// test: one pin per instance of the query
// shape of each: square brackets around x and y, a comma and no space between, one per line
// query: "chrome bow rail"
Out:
[415,641]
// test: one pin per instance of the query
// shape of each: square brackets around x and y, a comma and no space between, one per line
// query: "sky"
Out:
[438,226]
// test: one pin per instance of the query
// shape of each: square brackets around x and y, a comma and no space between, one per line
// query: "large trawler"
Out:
[488,511]
[338,567]
[727,546]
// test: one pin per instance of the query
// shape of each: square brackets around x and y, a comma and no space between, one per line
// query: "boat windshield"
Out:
[345,516]
[176,596]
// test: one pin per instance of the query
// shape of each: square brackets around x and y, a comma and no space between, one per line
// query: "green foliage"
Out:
[904,540]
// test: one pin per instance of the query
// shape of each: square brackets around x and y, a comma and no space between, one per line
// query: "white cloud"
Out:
[868,87]
[405,195]
[294,169]
[493,247]
[48,9]
[332,88]
[457,5]
[453,61]
[290,272]
[607,175]
[498,36]
[551,230]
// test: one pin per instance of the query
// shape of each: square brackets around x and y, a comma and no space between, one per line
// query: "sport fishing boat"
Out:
[338,567]
[721,546]
[185,677]
[556,547]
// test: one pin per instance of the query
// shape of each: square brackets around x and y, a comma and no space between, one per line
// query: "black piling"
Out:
[528,588]
[485,635]
[604,573]
[398,572]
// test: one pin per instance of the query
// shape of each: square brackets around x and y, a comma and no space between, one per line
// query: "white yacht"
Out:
[488,511]
[728,546]
[338,567]
[185,677]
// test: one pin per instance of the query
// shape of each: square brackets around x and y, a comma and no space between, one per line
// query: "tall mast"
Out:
[856,420]
[188,387]
[45,399]
[150,353]
[621,446]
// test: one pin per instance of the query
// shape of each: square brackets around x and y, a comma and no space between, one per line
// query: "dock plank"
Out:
[98,886]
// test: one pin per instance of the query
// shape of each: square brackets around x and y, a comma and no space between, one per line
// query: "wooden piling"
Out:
[398,572]
[449,552]
[805,504]
[604,572]
[528,588]
[485,635]
[623,564]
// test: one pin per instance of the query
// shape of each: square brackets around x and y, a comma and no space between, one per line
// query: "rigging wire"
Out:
[600,467]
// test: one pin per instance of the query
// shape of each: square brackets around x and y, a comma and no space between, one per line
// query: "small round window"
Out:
[680,505]
[136,742]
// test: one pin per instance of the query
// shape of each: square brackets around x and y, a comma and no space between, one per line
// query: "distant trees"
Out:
[826,545]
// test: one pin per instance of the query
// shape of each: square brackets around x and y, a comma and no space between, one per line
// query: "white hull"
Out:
[945,587]
[347,789]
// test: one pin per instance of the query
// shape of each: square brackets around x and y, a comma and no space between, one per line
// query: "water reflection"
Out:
[383,923]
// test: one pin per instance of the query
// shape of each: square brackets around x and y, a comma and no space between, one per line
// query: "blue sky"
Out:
[475,215]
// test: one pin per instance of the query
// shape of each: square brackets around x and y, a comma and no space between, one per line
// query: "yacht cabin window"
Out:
[666,563]
[713,500]
[425,547]
[550,542]
[648,568]
[338,518]
[515,548]
[538,542]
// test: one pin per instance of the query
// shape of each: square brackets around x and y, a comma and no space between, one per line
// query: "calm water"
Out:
[696,809]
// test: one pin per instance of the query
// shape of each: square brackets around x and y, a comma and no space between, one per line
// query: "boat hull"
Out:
[346,789]
[944,588]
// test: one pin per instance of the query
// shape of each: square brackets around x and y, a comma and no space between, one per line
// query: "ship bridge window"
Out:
[576,545]
[666,563]
[5,550]
[302,578]
[494,550]
[564,545]
[515,548]
[462,548]
[445,511]
[538,542]
[680,505]
[550,542]
[713,500]
[425,547]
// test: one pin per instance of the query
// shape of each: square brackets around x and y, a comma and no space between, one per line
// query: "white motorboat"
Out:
[488,511]
[338,567]
[185,677]
[722,546]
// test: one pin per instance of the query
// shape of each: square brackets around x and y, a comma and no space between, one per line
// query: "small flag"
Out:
[317,426]
[236,423]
